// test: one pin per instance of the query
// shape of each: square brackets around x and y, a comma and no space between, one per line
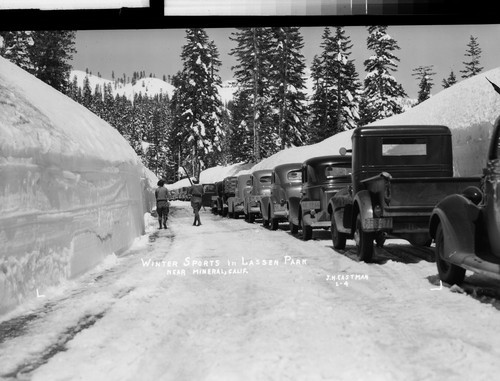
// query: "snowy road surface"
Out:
[308,313]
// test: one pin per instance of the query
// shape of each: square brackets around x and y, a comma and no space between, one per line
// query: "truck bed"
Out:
[417,196]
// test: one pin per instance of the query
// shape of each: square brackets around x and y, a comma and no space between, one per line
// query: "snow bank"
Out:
[71,187]
[329,146]
[469,108]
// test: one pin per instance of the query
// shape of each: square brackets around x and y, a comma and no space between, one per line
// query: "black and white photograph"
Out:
[263,191]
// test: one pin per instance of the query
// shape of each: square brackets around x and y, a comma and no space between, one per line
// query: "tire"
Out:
[274,224]
[364,242]
[306,230]
[251,218]
[265,222]
[448,272]
[338,239]
[380,241]
[294,229]
[273,221]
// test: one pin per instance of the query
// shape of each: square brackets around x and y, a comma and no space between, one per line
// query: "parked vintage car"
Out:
[230,184]
[322,178]
[216,206]
[286,183]
[236,203]
[208,192]
[260,183]
[399,173]
[466,226]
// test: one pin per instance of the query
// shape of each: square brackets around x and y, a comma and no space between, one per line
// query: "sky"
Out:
[158,51]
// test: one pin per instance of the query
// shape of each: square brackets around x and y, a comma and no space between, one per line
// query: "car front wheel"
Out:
[338,239]
[448,272]
[306,230]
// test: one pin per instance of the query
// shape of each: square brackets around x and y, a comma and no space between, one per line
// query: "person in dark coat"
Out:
[196,197]
[162,204]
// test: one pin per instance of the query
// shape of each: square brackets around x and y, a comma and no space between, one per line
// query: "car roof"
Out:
[331,159]
[402,130]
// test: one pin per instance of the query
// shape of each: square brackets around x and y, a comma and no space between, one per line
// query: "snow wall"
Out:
[72,190]
[470,109]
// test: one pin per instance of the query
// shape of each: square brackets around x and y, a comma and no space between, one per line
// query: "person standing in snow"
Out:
[162,204]
[196,197]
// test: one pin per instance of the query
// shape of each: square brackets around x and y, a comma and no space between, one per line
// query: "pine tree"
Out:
[239,141]
[451,80]
[335,102]
[424,75]
[287,79]
[50,57]
[472,66]
[252,73]
[382,93]
[198,104]
[15,47]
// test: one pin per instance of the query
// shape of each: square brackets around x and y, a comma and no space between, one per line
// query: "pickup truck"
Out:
[466,225]
[399,174]
[322,178]
[208,192]
[260,182]
[286,182]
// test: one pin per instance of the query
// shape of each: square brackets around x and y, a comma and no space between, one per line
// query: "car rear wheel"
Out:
[251,218]
[294,229]
[364,242]
[338,238]
[306,230]
[448,272]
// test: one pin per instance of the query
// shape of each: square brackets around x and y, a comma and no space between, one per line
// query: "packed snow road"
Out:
[231,300]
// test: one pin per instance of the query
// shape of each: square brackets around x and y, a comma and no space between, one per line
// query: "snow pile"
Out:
[219,173]
[179,184]
[469,108]
[71,189]
[330,146]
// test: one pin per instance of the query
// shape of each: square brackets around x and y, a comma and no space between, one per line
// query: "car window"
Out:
[209,188]
[294,176]
[404,146]
[265,180]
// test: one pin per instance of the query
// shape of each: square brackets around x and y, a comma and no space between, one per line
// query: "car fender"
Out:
[362,205]
[458,217]
[340,207]
[293,209]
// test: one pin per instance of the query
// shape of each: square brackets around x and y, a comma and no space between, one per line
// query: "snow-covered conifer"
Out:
[287,86]
[253,75]
[382,93]
[335,103]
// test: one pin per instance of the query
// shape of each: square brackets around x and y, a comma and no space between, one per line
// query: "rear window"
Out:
[265,180]
[209,188]
[326,172]
[404,146]
[294,176]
